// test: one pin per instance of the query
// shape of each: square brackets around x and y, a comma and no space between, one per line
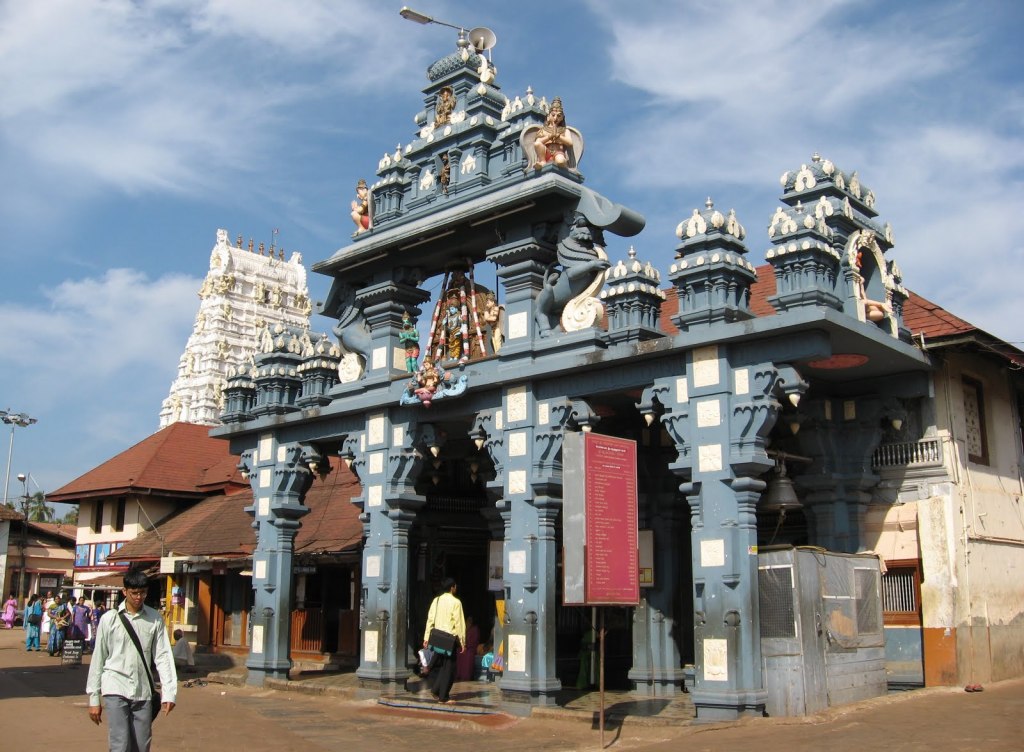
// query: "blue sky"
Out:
[131,130]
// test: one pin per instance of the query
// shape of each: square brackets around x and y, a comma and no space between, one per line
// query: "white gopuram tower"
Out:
[244,292]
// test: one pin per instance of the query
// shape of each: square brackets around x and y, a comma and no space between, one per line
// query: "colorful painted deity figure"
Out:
[361,207]
[410,339]
[462,315]
[427,381]
[553,139]
[454,327]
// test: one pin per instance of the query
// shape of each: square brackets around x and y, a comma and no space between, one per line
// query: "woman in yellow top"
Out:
[445,614]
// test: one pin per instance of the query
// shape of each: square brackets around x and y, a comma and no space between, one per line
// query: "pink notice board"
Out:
[612,560]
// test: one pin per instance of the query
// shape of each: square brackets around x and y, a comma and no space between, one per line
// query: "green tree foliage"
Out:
[38,509]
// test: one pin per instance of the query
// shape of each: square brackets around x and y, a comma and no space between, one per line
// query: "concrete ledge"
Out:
[610,718]
[234,678]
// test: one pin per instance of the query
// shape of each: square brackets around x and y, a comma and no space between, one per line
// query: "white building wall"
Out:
[987,502]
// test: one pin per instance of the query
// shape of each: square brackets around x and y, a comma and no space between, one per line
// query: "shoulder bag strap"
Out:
[138,646]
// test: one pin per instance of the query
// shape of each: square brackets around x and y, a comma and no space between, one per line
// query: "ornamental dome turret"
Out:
[462,59]
[710,228]
[276,370]
[319,369]
[822,178]
[711,276]
[632,297]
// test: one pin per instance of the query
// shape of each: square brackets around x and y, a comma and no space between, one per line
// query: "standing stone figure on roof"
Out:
[361,207]
[553,139]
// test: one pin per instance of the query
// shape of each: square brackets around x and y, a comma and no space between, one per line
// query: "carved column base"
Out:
[373,683]
[260,671]
[530,692]
[729,705]
[658,683]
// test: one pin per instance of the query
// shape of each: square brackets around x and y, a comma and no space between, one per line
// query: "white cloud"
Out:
[738,92]
[86,334]
[179,97]
[92,359]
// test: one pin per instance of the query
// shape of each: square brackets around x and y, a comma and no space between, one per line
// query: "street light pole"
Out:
[23,542]
[13,420]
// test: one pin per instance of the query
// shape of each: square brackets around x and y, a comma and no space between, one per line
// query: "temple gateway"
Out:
[482,317]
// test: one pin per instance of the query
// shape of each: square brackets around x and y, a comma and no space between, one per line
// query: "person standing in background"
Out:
[10,610]
[32,619]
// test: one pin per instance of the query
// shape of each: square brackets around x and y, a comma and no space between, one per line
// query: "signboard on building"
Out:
[599,521]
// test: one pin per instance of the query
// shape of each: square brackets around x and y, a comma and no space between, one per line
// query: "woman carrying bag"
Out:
[445,634]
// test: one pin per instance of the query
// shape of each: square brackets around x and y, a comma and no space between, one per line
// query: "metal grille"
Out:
[899,594]
[454,504]
[778,618]
[868,619]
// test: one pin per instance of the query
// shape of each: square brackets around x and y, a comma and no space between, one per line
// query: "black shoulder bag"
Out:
[155,699]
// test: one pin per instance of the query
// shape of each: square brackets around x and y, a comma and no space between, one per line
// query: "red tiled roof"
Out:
[60,530]
[920,316]
[762,289]
[6,513]
[175,460]
[219,527]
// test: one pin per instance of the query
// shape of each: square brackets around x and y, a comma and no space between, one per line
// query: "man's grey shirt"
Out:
[116,669]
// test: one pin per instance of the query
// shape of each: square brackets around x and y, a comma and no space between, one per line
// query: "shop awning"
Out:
[100,579]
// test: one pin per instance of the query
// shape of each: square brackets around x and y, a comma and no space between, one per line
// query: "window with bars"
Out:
[901,592]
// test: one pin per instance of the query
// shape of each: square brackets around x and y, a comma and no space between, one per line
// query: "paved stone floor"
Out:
[476,697]
[43,703]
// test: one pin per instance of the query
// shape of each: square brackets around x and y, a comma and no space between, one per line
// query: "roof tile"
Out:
[175,459]
[219,526]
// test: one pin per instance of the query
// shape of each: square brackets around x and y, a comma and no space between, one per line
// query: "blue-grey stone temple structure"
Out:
[479,315]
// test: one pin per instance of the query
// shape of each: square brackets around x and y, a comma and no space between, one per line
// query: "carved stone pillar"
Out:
[280,474]
[840,436]
[384,305]
[532,504]
[657,664]
[521,265]
[394,457]
[719,414]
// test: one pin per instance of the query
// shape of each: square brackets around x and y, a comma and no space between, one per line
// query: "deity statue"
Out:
[553,139]
[453,327]
[458,324]
[568,294]
[410,339]
[259,291]
[353,334]
[361,207]
[444,107]
[445,176]
[427,381]
[224,284]
[491,316]
[554,142]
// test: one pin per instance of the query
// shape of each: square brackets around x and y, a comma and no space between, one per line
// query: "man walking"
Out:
[446,616]
[119,675]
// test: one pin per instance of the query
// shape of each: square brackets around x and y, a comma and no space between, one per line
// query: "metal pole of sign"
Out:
[600,632]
